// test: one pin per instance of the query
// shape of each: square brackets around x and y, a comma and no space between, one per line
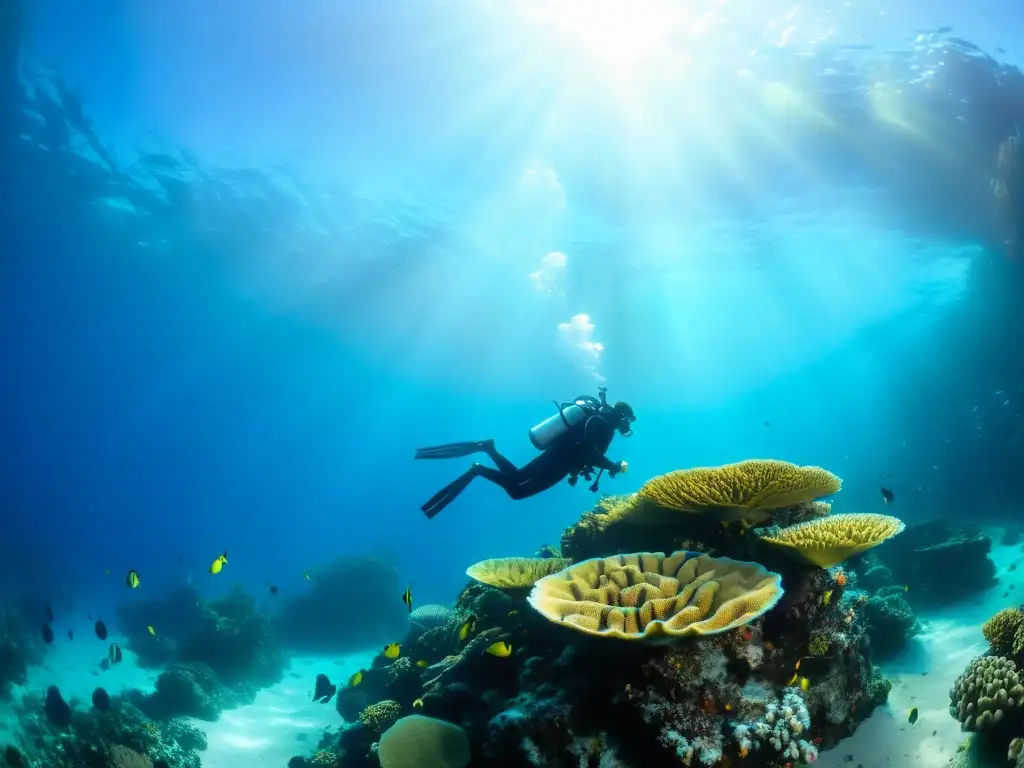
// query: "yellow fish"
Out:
[513,613]
[106,571]
[501,649]
[151,630]
[422,663]
[356,679]
[418,704]
[307,577]
[467,628]
[906,587]
[392,651]
[132,579]
[793,679]
[217,565]
[827,597]
[804,683]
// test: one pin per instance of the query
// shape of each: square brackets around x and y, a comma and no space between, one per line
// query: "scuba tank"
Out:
[544,434]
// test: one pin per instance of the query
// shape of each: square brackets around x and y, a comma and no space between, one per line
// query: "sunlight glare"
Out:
[620,33]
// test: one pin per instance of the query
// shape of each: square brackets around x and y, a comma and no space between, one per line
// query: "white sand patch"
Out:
[283,721]
[922,677]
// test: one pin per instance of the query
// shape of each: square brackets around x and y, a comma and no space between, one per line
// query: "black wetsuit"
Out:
[579,451]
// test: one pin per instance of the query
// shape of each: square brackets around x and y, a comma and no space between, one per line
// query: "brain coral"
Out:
[515,572]
[423,742]
[828,541]
[742,490]
[653,598]
[987,690]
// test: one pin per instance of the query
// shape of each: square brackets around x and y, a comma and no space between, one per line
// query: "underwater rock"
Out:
[177,617]
[57,710]
[190,690]
[236,642]
[940,562]
[873,575]
[320,618]
[890,622]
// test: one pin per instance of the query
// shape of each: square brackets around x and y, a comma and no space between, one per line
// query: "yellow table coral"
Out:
[828,541]
[745,490]
[515,572]
[653,598]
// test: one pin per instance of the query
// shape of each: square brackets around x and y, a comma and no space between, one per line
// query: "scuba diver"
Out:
[572,442]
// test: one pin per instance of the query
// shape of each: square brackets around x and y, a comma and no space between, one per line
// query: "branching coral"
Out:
[745,490]
[782,727]
[828,541]
[651,597]
[515,572]
[985,692]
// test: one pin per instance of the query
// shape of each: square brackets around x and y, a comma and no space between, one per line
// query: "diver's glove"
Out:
[623,466]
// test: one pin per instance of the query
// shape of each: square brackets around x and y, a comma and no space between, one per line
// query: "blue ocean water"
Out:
[255,254]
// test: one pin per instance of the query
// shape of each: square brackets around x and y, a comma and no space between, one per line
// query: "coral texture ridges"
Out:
[651,597]
[828,541]
[515,572]
[735,490]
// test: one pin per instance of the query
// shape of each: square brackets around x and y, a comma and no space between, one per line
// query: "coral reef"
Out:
[312,620]
[122,737]
[920,558]
[745,672]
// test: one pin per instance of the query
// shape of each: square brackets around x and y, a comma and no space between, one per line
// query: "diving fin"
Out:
[452,450]
[449,493]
